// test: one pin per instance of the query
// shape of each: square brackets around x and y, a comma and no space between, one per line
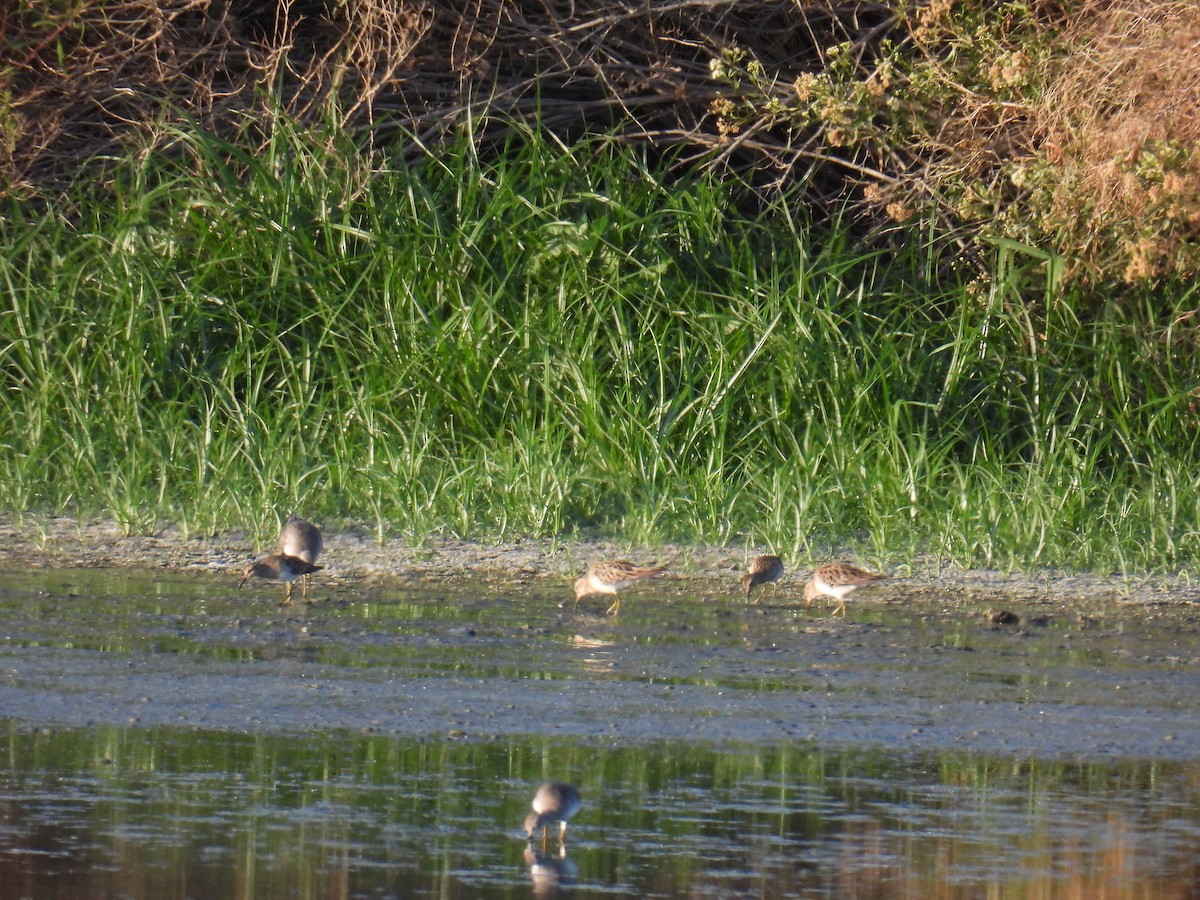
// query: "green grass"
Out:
[559,341]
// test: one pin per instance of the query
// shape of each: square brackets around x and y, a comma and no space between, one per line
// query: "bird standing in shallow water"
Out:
[838,581]
[279,567]
[555,801]
[301,540]
[763,569]
[611,577]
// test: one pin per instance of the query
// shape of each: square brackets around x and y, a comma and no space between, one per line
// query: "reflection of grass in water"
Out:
[561,340]
[184,812]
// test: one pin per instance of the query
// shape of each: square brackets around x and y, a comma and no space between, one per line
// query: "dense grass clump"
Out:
[556,341]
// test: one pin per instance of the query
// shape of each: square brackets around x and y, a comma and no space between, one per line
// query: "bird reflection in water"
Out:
[553,874]
[600,659]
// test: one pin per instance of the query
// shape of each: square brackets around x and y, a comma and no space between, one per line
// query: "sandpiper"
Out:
[302,540]
[555,801]
[763,569]
[838,581]
[611,577]
[279,567]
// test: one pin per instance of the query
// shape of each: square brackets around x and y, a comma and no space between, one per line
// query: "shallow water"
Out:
[168,736]
[127,812]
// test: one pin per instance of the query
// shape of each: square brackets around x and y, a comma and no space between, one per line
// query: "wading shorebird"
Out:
[763,570]
[838,581]
[301,540]
[555,801]
[279,567]
[612,577]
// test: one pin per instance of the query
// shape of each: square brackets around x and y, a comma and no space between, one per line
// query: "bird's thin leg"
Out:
[615,608]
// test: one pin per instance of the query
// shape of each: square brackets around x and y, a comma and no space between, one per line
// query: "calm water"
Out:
[115,812]
[166,737]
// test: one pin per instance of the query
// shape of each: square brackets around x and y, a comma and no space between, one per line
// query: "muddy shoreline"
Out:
[456,640]
[65,542]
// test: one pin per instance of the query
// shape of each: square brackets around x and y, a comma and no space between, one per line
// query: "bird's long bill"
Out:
[242,583]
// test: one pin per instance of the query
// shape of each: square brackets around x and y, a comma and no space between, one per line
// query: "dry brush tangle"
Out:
[101,79]
[1067,127]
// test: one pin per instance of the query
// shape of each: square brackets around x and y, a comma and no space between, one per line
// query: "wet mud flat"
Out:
[686,659]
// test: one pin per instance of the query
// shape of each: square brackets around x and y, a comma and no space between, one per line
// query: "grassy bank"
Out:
[559,340]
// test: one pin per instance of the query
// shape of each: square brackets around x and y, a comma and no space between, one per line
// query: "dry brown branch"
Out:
[419,65]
